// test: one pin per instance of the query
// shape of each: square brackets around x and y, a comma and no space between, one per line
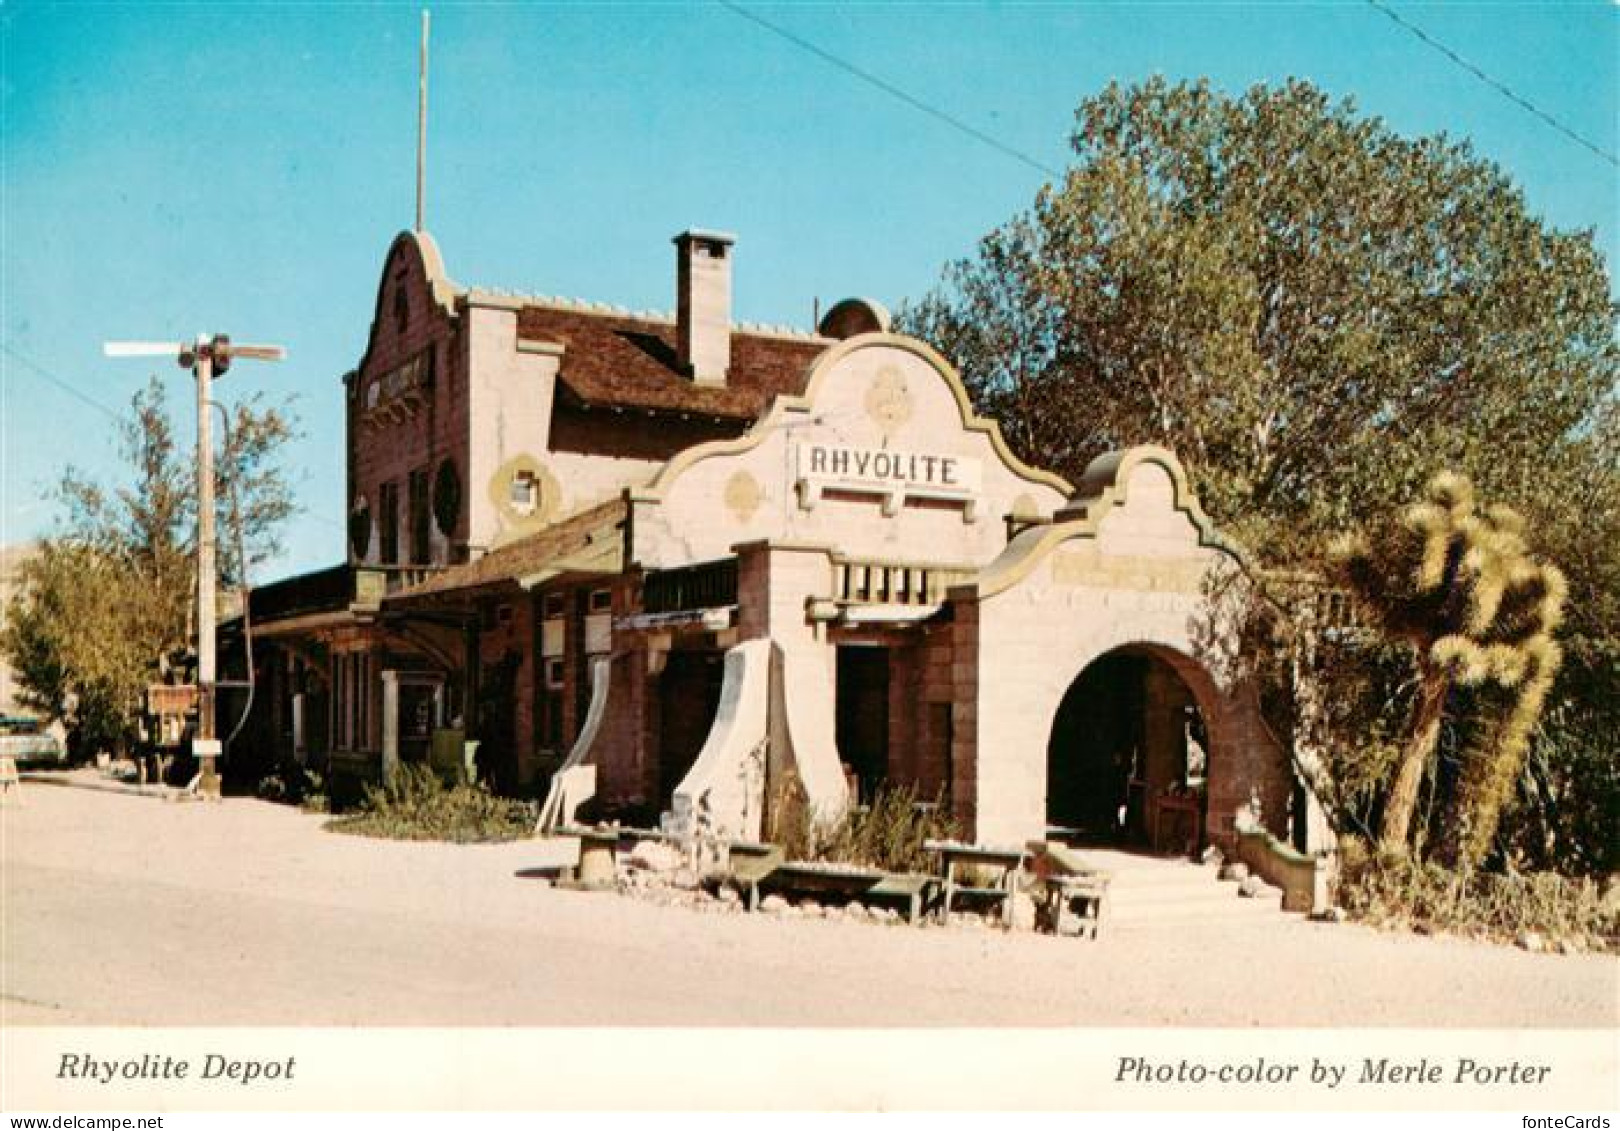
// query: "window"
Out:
[554,606]
[601,601]
[554,673]
[525,492]
[421,519]
[388,497]
[360,527]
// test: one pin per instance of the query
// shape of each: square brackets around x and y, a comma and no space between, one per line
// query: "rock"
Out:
[1023,912]
[1234,871]
[683,878]
[656,857]
[810,909]
[1331,915]
[1531,941]
[729,896]
[773,905]
[1213,855]
[1253,887]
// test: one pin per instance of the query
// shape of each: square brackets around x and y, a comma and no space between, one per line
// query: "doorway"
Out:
[862,721]
[1127,759]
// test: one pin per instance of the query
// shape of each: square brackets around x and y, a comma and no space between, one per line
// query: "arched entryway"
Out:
[1127,759]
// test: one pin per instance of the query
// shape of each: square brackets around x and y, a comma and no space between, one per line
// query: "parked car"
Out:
[28,741]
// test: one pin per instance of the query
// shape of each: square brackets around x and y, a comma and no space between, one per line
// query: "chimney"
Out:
[703,304]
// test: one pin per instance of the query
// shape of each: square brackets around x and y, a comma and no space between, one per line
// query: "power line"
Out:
[1499,87]
[116,416]
[892,91]
[41,371]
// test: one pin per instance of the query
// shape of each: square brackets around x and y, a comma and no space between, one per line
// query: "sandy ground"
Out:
[129,910]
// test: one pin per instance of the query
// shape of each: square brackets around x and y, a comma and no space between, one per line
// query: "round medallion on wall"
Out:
[888,400]
[742,496]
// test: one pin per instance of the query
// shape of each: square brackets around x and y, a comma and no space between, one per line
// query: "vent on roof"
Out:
[703,304]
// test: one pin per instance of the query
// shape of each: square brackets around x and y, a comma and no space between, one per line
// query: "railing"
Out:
[894,583]
[708,585]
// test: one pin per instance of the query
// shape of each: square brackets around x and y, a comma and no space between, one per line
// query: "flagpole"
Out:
[421,124]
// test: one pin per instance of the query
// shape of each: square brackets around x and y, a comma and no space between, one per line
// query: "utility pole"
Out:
[207,358]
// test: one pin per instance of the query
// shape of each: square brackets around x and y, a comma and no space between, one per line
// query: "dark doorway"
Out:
[1126,762]
[1095,745]
[497,724]
[862,722]
[689,699]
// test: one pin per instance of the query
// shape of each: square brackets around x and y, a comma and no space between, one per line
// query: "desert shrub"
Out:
[1394,889]
[887,834]
[293,785]
[417,805]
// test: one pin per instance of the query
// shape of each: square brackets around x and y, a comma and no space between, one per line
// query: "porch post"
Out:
[390,725]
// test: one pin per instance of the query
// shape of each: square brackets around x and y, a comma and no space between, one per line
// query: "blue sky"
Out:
[171,169]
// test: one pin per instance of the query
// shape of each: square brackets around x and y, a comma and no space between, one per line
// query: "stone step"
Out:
[1213,908]
[1166,923]
[1210,896]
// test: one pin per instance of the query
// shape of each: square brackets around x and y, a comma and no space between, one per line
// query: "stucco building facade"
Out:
[677,569]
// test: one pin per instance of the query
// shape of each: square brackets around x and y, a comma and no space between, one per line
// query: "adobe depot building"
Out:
[683,570]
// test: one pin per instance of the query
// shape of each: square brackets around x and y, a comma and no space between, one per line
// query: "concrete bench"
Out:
[748,865]
[598,868]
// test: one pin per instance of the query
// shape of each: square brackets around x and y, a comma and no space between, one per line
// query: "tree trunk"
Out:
[1403,795]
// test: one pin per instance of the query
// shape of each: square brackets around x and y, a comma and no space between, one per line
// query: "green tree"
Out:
[106,602]
[1318,315]
[1260,282]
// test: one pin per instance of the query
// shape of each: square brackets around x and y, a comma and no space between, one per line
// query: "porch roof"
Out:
[591,541]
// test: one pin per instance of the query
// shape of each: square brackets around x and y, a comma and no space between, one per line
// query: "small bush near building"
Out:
[295,785]
[1541,910]
[417,805]
[889,833]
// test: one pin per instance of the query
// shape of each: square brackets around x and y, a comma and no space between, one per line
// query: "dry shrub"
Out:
[417,805]
[888,834]
[1393,889]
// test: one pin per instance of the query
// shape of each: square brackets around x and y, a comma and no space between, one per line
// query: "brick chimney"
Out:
[703,304]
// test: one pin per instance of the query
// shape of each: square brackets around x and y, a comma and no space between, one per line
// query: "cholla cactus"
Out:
[1459,584]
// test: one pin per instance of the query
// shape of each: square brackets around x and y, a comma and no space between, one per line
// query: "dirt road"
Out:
[129,910]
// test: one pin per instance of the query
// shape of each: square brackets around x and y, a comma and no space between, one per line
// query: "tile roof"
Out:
[619,360]
[526,556]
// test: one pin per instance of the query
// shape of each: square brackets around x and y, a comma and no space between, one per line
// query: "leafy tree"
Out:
[1316,313]
[106,602]
[1458,584]
[1320,315]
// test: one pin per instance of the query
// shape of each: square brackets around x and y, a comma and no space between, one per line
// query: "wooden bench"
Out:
[1075,904]
[955,858]
[858,885]
[1076,890]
